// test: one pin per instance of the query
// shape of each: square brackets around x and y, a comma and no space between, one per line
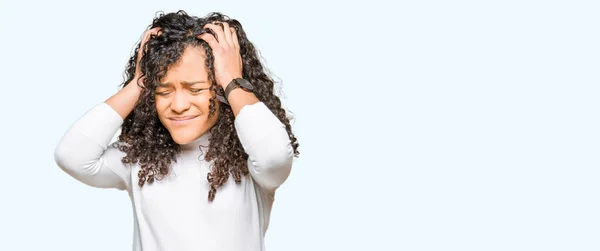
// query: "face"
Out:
[182,97]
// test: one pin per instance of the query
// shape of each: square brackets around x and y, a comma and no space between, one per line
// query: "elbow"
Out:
[275,161]
[76,165]
[71,161]
[274,167]
[60,157]
[64,160]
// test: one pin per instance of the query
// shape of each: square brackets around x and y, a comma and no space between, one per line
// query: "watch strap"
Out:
[230,87]
[235,83]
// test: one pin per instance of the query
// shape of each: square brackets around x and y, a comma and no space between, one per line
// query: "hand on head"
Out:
[226,50]
[142,49]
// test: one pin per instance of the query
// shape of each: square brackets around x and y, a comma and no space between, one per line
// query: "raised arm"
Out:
[84,151]
[263,137]
[85,154]
[267,143]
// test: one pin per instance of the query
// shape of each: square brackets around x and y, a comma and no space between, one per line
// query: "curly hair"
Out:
[148,143]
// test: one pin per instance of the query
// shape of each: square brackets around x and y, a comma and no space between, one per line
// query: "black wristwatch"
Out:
[235,83]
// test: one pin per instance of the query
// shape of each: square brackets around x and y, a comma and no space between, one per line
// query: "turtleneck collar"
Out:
[195,144]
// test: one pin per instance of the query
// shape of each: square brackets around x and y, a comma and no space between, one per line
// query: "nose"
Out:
[180,103]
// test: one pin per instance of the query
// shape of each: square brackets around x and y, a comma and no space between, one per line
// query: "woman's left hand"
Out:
[226,50]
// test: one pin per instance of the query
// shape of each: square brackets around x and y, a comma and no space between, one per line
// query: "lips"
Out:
[183,118]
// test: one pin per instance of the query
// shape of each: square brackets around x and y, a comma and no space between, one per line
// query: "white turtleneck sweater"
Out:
[174,214]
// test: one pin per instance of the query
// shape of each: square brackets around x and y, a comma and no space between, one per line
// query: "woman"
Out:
[197,107]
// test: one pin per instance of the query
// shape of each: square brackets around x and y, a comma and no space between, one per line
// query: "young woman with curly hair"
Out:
[204,141]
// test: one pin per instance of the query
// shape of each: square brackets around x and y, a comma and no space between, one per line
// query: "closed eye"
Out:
[198,90]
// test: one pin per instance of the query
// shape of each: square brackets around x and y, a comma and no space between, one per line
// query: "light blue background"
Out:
[423,125]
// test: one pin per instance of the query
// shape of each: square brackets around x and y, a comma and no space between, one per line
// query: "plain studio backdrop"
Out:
[423,125]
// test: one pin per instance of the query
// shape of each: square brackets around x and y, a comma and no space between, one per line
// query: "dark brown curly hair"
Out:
[148,143]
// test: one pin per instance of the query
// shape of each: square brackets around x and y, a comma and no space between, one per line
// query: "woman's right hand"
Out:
[145,38]
[124,101]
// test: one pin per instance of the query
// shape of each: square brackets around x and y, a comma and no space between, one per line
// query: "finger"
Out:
[227,32]
[145,37]
[142,47]
[220,36]
[155,31]
[210,39]
[149,33]
[234,39]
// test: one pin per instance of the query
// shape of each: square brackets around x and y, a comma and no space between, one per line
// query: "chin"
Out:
[184,136]
[184,139]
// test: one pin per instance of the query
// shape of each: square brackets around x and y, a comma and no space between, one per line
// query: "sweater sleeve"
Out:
[266,141]
[85,154]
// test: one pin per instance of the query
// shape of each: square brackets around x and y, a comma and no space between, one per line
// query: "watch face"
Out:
[244,83]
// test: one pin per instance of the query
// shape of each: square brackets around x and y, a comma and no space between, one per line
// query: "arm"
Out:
[261,134]
[124,101]
[84,152]
[263,137]
[267,143]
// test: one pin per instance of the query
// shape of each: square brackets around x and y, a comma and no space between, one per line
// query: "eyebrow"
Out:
[186,83]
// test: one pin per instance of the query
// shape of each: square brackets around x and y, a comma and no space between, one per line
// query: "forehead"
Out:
[190,67]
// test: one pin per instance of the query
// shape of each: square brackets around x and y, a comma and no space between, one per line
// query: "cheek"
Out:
[160,105]
[203,103]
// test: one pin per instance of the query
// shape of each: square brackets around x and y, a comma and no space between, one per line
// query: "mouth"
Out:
[182,119]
